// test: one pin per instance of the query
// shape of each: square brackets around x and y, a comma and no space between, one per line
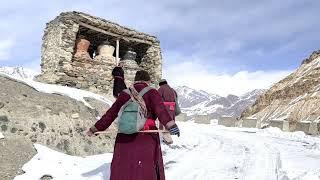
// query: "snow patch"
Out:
[1,136]
[64,167]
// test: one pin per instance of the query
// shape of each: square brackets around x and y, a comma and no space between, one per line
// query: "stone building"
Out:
[80,50]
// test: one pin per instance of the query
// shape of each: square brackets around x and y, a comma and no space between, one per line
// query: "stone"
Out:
[75,116]
[281,124]
[182,117]
[42,126]
[313,129]
[250,123]
[303,126]
[227,121]
[1,105]
[46,177]
[4,119]
[4,128]
[202,119]
[15,152]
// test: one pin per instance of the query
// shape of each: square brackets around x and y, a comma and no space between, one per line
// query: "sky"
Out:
[223,47]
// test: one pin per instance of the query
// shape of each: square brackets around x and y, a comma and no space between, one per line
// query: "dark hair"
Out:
[118,71]
[142,75]
[118,86]
[118,82]
[163,83]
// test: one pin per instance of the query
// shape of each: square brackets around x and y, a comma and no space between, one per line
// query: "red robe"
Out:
[168,94]
[137,156]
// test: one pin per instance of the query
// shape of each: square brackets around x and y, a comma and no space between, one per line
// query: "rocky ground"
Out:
[295,98]
[15,151]
[59,122]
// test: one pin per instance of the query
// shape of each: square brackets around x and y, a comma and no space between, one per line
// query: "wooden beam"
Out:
[115,35]
[117,51]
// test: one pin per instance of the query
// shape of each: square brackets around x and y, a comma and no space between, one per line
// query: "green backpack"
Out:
[130,117]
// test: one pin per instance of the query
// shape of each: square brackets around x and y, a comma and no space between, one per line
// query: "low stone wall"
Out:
[303,126]
[90,75]
[283,125]
[202,119]
[250,123]
[227,121]
[182,117]
[312,128]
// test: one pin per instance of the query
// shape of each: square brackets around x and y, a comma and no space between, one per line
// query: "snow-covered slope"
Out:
[203,152]
[295,98]
[189,97]
[18,72]
[195,102]
[25,76]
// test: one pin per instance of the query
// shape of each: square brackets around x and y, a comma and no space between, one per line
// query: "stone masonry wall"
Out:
[152,64]
[57,49]
[58,66]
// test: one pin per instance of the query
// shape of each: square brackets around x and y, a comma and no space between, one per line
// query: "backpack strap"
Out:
[127,91]
[145,90]
[141,93]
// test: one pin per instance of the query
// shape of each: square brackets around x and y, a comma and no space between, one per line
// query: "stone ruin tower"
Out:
[80,50]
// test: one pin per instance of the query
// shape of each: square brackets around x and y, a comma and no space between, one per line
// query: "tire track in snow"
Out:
[221,154]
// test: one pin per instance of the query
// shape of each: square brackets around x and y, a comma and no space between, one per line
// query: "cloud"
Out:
[197,76]
[6,49]
[226,41]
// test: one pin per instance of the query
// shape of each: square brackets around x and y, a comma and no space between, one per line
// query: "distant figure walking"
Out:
[169,96]
[138,156]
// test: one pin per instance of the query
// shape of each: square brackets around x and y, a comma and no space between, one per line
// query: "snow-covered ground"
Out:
[1,136]
[203,152]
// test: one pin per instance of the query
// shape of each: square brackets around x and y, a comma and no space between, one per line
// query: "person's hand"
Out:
[174,130]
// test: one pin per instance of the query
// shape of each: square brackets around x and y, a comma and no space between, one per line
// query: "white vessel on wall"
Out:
[105,53]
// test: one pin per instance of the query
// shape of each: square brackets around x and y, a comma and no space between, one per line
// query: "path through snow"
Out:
[204,152]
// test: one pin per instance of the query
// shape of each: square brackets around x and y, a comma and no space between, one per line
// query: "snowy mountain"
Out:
[295,98]
[189,97]
[18,72]
[195,102]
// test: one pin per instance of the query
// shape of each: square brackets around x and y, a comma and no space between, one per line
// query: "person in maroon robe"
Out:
[169,96]
[138,156]
[118,81]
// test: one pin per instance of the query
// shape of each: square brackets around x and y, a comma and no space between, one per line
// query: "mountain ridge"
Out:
[198,102]
[294,98]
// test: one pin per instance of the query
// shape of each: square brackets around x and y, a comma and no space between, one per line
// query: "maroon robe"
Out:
[137,156]
[168,94]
